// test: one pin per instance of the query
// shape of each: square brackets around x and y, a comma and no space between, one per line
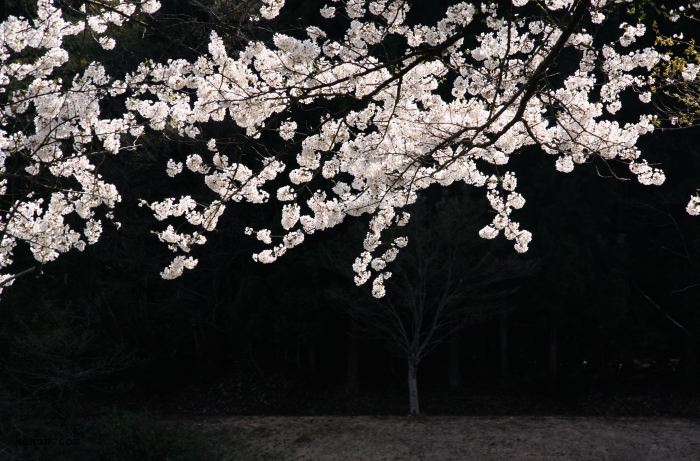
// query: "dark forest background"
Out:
[602,317]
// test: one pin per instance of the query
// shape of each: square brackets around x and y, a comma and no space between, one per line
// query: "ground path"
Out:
[451,438]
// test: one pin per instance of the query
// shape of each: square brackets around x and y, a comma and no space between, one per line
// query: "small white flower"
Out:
[488,232]
[693,207]
[287,130]
[328,12]
[565,164]
[107,43]
[173,168]
[150,6]
[264,235]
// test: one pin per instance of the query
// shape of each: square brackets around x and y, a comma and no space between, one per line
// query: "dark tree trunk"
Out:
[351,378]
[504,357]
[311,359]
[454,370]
[691,361]
[482,351]
[602,355]
[413,405]
[553,350]
[197,333]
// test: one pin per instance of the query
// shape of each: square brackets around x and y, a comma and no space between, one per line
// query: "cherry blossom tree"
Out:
[356,114]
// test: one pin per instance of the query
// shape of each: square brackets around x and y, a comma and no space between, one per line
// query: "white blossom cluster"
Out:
[270,9]
[405,136]
[50,128]
[469,93]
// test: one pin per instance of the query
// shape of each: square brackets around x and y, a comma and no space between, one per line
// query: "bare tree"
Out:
[445,279]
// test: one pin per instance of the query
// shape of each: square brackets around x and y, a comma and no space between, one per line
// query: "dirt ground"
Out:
[451,438]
